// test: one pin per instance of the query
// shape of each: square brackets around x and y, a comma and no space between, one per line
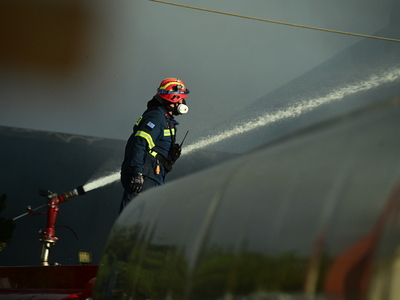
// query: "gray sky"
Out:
[125,49]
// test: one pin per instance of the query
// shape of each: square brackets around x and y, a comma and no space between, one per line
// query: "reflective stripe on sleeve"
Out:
[153,153]
[147,137]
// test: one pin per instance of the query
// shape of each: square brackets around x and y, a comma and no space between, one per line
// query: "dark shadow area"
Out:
[32,160]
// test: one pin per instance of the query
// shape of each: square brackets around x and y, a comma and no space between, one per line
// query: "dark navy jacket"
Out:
[153,133]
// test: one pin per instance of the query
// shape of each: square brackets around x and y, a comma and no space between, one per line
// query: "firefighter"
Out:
[152,150]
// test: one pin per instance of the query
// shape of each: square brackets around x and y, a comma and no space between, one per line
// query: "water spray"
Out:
[298,109]
[269,118]
[100,182]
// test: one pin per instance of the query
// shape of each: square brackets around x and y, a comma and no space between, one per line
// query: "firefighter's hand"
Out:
[137,183]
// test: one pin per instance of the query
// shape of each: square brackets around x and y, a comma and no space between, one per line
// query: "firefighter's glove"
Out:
[137,183]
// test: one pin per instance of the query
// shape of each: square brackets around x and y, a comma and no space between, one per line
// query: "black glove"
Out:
[137,183]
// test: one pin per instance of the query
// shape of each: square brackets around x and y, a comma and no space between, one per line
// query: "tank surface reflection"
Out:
[311,216]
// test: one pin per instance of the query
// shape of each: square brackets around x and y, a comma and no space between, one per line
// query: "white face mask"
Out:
[182,109]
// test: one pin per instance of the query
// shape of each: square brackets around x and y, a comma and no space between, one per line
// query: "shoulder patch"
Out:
[151,125]
[138,121]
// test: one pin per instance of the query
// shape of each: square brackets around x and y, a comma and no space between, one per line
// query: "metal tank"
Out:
[311,216]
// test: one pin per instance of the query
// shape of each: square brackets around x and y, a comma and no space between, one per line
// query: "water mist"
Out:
[297,109]
[268,118]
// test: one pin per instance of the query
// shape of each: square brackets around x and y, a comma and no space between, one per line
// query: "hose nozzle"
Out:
[75,192]
[80,190]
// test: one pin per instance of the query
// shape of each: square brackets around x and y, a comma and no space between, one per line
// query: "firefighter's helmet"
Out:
[172,90]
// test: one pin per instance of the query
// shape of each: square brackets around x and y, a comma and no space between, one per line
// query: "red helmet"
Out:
[172,90]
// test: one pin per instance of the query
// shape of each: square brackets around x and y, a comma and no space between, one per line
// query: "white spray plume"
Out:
[268,118]
[102,181]
[298,109]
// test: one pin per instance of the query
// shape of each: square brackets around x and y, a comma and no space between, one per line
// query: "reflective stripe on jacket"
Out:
[153,133]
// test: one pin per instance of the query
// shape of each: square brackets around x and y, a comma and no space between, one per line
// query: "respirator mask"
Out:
[181,109]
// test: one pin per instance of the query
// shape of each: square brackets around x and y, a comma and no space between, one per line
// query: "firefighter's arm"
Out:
[147,134]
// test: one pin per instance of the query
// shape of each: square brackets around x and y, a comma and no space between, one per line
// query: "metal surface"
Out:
[48,237]
[311,216]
